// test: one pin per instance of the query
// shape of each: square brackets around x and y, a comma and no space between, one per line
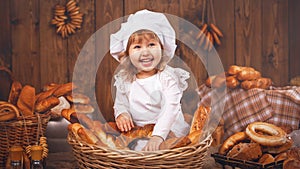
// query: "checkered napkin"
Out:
[241,107]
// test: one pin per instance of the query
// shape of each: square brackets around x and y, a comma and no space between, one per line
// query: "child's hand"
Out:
[153,144]
[124,122]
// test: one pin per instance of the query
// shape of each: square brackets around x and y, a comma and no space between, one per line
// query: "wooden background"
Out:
[258,33]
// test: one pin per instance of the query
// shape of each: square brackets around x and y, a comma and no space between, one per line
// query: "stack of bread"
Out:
[239,76]
[108,135]
[261,142]
[24,101]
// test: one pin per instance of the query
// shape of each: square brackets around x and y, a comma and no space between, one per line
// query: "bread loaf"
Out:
[106,139]
[78,98]
[26,100]
[82,133]
[85,120]
[45,94]
[232,82]
[262,83]
[245,151]
[139,132]
[248,74]
[266,159]
[83,108]
[199,119]
[174,142]
[70,115]
[8,111]
[64,89]
[14,93]
[46,104]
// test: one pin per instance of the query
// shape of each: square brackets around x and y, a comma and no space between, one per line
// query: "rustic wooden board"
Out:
[80,53]
[106,11]
[248,33]
[25,41]
[275,41]
[224,15]
[53,58]
[5,34]
[294,38]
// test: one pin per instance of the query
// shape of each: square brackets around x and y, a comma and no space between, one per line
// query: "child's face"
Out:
[145,53]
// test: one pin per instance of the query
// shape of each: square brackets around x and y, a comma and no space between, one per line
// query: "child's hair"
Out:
[127,68]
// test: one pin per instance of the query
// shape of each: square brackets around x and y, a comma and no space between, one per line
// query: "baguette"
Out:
[14,93]
[199,119]
[26,101]
[70,115]
[46,104]
[174,142]
[64,89]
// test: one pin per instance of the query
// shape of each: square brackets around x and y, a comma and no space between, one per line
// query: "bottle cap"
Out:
[36,152]
[16,153]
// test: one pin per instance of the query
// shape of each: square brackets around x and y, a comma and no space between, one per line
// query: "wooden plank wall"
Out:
[263,34]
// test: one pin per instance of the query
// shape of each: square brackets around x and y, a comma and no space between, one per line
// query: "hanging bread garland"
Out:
[67,19]
[209,35]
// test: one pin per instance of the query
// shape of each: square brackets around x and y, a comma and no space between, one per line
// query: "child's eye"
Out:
[136,47]
[152,44]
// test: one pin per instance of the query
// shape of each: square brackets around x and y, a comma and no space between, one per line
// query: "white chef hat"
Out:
[144,19]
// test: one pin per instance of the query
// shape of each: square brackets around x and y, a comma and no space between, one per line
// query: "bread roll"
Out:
[8,111]
[139,132]
[248,74]
[14,93]
[245,151]
[64,89]
[262,83]
[172,143]
[83,108]
[26,100]
[291,163]
[45,94]
[78,98]
[70,115]
[235,70]
[232,82]
[281,156]
[266,159]
[232,141]
[279,149]
[46,104]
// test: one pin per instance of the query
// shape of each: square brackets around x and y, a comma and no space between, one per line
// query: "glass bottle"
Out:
[16,157]
[36,157]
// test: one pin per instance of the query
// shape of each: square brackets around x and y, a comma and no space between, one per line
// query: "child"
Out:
[148,91]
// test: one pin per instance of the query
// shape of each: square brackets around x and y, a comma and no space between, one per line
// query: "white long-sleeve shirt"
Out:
[154,100]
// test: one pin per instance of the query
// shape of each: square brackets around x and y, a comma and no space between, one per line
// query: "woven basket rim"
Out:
[205,143]
[28,120]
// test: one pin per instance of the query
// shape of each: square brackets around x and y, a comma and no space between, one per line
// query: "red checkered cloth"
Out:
[280,106]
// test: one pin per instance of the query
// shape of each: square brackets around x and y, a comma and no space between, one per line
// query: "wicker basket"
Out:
[23,131]
[93,156]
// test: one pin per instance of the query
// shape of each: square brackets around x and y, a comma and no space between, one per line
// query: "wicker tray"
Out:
[245,164]
[22,131]
[93,156]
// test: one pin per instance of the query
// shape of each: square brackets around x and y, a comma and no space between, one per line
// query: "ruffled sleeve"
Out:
[121,104]
[179,75]
[120,83]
